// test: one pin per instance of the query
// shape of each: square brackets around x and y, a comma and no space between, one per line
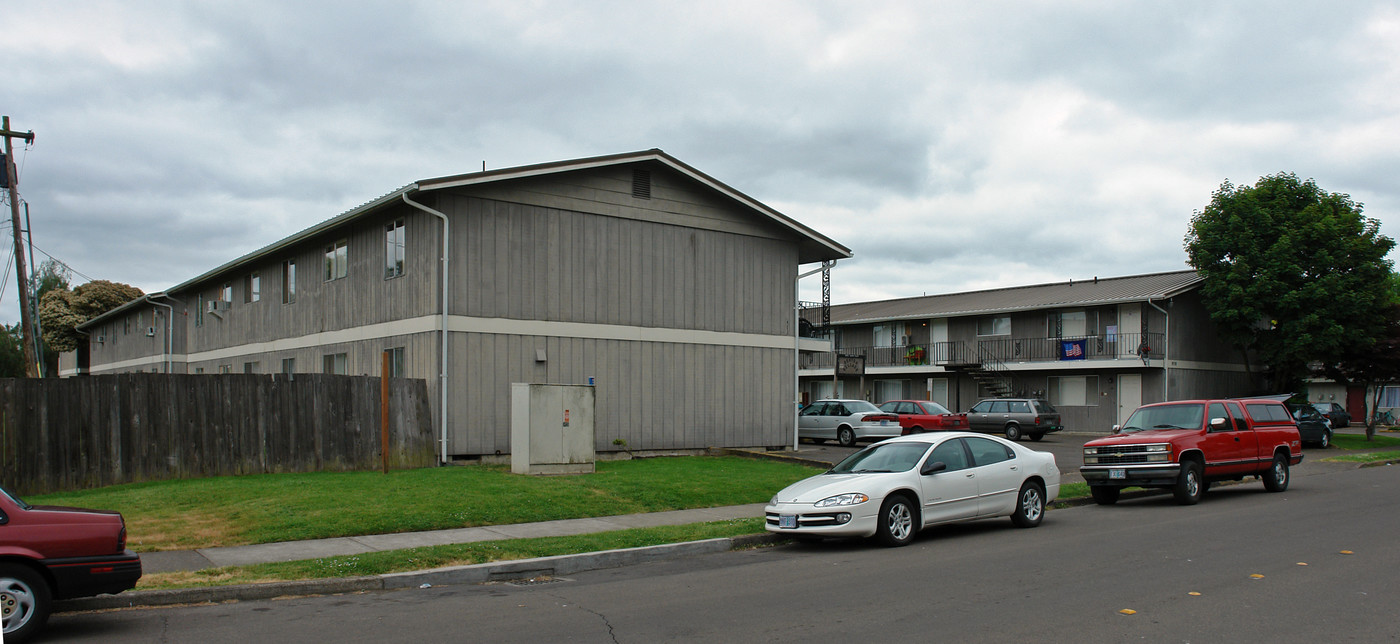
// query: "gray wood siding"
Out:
[652,395]
[362,297]
[526,262]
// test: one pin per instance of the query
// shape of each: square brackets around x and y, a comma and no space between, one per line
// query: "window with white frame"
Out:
[1073,324]
[289,365]
[250,367]
[252,287]
[1390,398]
[393,249]
[337,260]
[226,293]
[1074,391]
[289,281]
[889,390]
[395,362]
[996,325]
[336,363]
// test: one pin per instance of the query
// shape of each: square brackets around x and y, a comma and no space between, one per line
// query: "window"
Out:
[199,310]
[335,363]
[126,325]
[999,325]
[393,249]
[1073,324]
[950,453]
[252,287]
[226,295]
[225,368]
[289,281]
[250,367]
[289,365]
[1074,391]
[337,260]
[199,369]
[986,451]
[1390,398]
[395,362]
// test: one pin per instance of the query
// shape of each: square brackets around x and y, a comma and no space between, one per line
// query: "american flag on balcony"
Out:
[1071,349]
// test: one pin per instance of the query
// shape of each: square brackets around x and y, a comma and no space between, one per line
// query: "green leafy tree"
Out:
[62,310]
[52,275]
[1293,274]
[11,351]
[1372,367]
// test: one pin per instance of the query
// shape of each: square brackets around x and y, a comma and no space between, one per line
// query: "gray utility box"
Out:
[551,429]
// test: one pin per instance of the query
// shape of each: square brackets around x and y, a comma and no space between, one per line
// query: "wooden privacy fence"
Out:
[76,433]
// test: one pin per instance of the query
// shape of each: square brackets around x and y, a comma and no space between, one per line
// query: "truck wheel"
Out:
[1037,436]
[1013,432]
[896,521]
[24,602]
[1104,495]
[846,436]
[1276,479]
[1189,487]
[1030,506]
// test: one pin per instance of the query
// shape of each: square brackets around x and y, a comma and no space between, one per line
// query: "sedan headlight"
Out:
[853,498]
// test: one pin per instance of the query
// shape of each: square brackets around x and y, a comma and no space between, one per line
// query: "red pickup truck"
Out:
[1188,444]
[49,553]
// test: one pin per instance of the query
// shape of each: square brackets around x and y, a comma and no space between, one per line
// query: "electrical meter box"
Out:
[551,429]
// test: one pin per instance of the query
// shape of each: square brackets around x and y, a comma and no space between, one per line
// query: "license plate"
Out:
[884,423]
[1118,473]
[787,521]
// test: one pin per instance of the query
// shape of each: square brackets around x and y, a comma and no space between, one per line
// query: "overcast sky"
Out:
[951,145]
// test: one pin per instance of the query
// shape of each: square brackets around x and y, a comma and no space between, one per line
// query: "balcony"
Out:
[1006,351]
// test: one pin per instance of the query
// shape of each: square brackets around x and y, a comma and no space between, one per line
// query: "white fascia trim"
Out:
[497,326]
[424,324]
[542,328]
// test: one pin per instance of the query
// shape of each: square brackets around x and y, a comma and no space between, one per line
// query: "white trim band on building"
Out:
[465,324]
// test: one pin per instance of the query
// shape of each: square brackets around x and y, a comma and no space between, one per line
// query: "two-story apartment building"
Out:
[668,290]
[1097,349]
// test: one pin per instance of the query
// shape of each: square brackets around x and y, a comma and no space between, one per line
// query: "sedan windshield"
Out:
[1183,416]
[882,457]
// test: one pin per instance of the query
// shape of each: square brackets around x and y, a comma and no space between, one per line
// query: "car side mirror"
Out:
[1218,425]
[1117,428]
[934,467]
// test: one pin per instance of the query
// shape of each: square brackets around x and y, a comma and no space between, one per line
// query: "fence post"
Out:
[384,409]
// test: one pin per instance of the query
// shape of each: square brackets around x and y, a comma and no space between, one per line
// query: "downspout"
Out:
[442,374]
[796,355]
[169,325]
[1166,349]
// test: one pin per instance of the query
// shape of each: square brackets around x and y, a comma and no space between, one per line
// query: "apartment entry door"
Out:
[1129,329]
[1129,395]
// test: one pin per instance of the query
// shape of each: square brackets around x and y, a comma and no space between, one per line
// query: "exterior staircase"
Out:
[986,369]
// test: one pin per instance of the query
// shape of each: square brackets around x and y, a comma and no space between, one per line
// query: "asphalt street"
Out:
[1315,563]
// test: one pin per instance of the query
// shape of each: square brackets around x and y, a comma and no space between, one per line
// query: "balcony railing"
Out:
[1120,346]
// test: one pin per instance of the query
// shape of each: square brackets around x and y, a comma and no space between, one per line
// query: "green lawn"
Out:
[1358,441]
[240,510]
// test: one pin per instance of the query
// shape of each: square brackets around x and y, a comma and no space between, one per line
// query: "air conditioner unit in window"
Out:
[101,339]
[215,306]
[150,332]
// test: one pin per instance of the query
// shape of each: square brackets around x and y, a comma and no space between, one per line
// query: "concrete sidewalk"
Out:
[179,560]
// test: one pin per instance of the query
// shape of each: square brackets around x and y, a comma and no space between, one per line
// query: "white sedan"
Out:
[896,487]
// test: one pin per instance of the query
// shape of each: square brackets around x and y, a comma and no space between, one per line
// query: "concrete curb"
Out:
[771,456]
[470,574]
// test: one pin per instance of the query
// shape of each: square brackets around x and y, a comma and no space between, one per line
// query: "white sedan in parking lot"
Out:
[896,487]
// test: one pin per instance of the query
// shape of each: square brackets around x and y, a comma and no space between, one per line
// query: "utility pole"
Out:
[31,365]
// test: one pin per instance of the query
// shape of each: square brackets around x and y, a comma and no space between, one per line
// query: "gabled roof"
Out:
[1073,293]
[812,246]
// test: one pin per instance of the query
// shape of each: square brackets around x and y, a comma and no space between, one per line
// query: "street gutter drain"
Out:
[534,581]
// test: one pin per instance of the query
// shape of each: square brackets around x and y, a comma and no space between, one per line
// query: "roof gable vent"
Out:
[641,183]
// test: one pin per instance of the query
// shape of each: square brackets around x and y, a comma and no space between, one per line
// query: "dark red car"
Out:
[917,416]
[49,553]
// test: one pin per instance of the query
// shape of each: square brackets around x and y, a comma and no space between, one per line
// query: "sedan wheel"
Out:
[1326,440]
[24,601]
[1013,432]
[896,522]
[846,436]
[1030,506]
